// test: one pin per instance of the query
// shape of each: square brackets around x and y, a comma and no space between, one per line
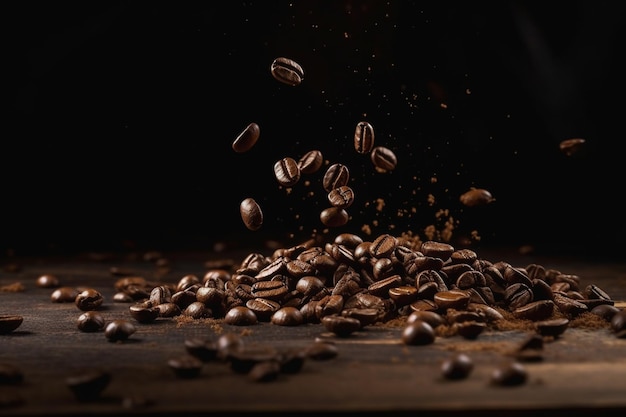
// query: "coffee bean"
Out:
[251,214]
[202,349]
[186,366]
[554,327]
[366,316]
[287,71]
[470,329]
[430,317]
[144,313]
[571,146]
[334,217]
[311,162]
[227,343]
[383,246]
[119,330]
[457,367]
[287,172]
[509,374]
[383,159]
[89,299]
[456,299]
[264,371]
[287,316]
[243,360]
[263,308]
[535,310]
[363,137]
[90,321]
[8,323]
[322,350]
[64,295]
[341,326]
[247,138]
[240,316]
[606,311]
[341,197]
[618,322]
[47,281]
[88,385]
[476,197]
[418,332]
[337,175]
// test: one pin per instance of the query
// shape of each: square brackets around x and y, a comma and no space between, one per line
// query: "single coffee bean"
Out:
[341,326]
[119,330]
[287,316]
[240,316]
[287,71]
[470,329]
[535,310]
[363,137]
[8,323]
[476,197]
[341,197]
[322,350]
[334,217]
[202,349]
[509,374]
[618,321]
[457,367]
[287,172]
[571,146]
[88,385]
[251,214]
[264,371]
[418,332]
[606,311]
[264,308]
[47,281]
[168,310]
[292,360]
[243,360]
[456,299]
[90,321]
[89,299]
[247,138]
[430,317]
[64,295]
[552,327]
[311,162]
[186,366]
[337,175]
[366,316]
[383,159]
[144,313]
[383,246]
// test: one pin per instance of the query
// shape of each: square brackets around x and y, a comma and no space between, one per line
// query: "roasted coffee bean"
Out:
[197,310]
[606,311]
[309,285]
[240,316]
[470,329]
[47,281]
[311,162]
[168,310]
[535,310]
[251,214]
[122,297]
[456,299]
[476,197]
[227,343]
[202,349]
[277,267]
[322,350]
[119,330]
[334,217]
[264,371]
[383,158]
[514,275]
[341,326]
[489,312]
[244,359]
[460,316]
[418,332]
[211,297]
[88,385]
[509,374]
[187,282]
[337,175]
[8,323]
[363,137]
[568,306]
[553,327]
[144,312]
[517,295]
[571,146]
[618,322]
[263,308]
[403,294]
[287,172]
[366,316]
[247,138]
[457,367]
[594,292]
[430,317]
[381,288]
[160,294]
[90,321]
[341,197]
[10,374]
[287,71]
[89,299]
[183,298]
[287,316]
[471,279]
[437,249]
[186,366]
[348,240]
[463,256]
[272,290]
[329,305]
[383,246]
[64,295]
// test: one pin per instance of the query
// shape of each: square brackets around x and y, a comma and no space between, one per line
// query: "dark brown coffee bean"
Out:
[383,246]
[334,217]
[244,359]
[287,316]
[287,71]
[489,312]
[470,329]
[571,146]
[263,308]
[90,321]
[594,292]
[568,306]
[168,310]
[287,172]
[227,343]
[144,313]
[430,317]
[418,332]
[463,256]
[8,323]
[311,162]
[88,385]
[240,316]
[271,290]
[202,349]
[264,371]
[186,366]
[89,299]
[554,327]
[457,367]
[366,316]
[342,326]
[618,322]
[509,374]
[322,350]
[197,310]
[456,299]
[381,288]
[183,298]
[437,249]
[119,330]
[337,175]
[251,214]
[383,159]
[517,295]
[211,297]
[47,281]
[329,305]
[363,137]
[606,311]
[471,279]
[247,138]
[64,295]
[535,310]
[403,294]
[476,197]
[341,197]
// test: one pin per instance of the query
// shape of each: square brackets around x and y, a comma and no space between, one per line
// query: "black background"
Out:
[122,116]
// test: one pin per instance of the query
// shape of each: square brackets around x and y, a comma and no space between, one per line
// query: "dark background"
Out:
[122,116]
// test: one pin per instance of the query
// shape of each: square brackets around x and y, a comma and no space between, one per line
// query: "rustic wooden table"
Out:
[584,369]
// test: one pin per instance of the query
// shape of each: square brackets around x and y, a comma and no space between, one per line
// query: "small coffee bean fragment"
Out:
[457,367]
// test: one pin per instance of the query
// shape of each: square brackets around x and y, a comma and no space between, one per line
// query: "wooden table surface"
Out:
[373,372]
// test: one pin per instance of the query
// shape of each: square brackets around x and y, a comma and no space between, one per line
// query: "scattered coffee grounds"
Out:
[14,287]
